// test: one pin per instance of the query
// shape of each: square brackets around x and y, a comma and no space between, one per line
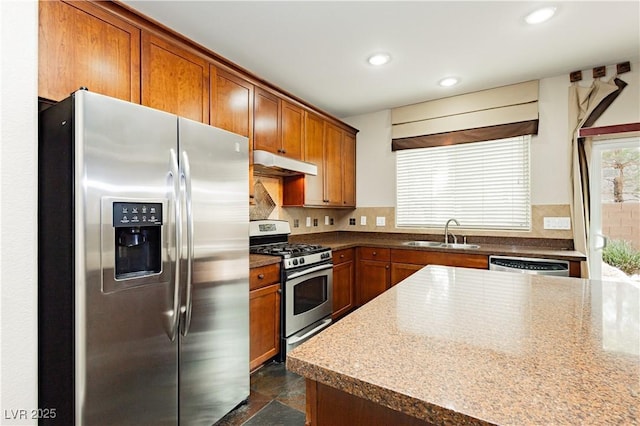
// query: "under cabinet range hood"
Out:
[267,163]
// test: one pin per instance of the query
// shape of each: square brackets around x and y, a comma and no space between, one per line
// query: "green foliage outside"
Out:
[623,256]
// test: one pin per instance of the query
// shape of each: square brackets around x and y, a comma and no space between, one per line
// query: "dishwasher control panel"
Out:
[529,265]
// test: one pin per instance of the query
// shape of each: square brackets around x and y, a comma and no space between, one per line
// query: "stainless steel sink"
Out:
[424,243]
[441,245]
[460,246]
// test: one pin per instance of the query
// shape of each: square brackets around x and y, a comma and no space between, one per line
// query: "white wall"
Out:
[375,173]
[18,208]
[375,163]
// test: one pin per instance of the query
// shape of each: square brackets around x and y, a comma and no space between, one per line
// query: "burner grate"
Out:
[287,249]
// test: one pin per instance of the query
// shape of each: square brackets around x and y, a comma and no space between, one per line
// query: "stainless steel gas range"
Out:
[306,280]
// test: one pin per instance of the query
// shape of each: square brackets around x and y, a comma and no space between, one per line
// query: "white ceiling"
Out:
[317,50]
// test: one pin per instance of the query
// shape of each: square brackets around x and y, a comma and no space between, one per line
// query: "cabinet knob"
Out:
[342,256]
[386,267]
[260,276]
[374,253]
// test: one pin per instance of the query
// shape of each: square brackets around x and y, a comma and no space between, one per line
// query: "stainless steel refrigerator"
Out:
[143,266]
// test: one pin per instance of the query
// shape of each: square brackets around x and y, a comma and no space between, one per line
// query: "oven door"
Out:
[308,297]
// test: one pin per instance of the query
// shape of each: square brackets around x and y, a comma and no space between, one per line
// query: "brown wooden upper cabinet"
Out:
[113,51]
[174,79]
[348,170]
[266,121]
[231,102]
[232,108]
[309,190]
[333,150]
[292,130]
[81,44]
[278,125]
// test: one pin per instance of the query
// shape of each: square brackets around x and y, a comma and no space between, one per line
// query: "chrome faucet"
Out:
[446,231]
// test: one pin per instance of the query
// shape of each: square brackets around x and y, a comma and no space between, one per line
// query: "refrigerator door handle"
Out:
[174,314]
[188,308]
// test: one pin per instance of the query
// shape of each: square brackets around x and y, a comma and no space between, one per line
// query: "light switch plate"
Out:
[363,220]
[308,222]
[380,221]
[326,220]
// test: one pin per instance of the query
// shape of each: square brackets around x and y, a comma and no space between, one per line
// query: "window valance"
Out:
[497,113]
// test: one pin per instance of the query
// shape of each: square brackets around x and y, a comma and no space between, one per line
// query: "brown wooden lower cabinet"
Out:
[400,271]
[327,406]
[373,273]
[264,315]
[343,282]
[380,268]
[373,279]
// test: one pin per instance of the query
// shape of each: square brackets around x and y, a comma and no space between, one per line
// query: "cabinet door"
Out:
[264,324]
[348,170]
[373,279]
[343,283]
[232,108]
[292,127]
[174,79]
[333,164]
[314,153]
[231,102]
[400,271]
[80,44]
[266,124]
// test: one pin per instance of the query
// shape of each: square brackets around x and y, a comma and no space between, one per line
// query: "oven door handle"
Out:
[296,339]
[308,271]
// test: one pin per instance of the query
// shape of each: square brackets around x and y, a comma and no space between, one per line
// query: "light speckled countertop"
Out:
[464,346]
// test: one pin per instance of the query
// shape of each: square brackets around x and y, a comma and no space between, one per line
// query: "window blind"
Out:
[484,185]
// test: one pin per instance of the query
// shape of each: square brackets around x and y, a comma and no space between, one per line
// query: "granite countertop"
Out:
[465,346]
[550,249]
[258,260]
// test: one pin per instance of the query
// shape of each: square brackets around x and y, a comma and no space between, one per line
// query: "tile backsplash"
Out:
[268,198]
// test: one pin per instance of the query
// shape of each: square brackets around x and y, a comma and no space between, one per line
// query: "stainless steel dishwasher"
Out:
[527,265]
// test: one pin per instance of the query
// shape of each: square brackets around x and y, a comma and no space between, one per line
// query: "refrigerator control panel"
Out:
[136,214]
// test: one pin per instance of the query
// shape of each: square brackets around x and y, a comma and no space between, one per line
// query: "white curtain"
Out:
[582,102]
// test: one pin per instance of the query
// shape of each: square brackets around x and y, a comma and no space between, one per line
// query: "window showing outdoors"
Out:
[484,185]
[620,208]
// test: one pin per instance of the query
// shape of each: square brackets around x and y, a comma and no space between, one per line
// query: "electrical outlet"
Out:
[363,220]
[308,223]
[315,222]
[352,221]
[296,223]
[380,220]
[557,223]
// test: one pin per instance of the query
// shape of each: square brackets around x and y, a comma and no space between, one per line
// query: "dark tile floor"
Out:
[277,398]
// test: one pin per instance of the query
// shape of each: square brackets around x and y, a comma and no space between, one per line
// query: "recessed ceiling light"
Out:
[449,81]
[540,15]
[379,59]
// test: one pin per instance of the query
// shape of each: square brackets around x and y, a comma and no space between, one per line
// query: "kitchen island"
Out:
[464,346]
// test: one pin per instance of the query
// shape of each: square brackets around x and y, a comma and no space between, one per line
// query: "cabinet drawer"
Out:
[341,256]
[375,253]
[264,275]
